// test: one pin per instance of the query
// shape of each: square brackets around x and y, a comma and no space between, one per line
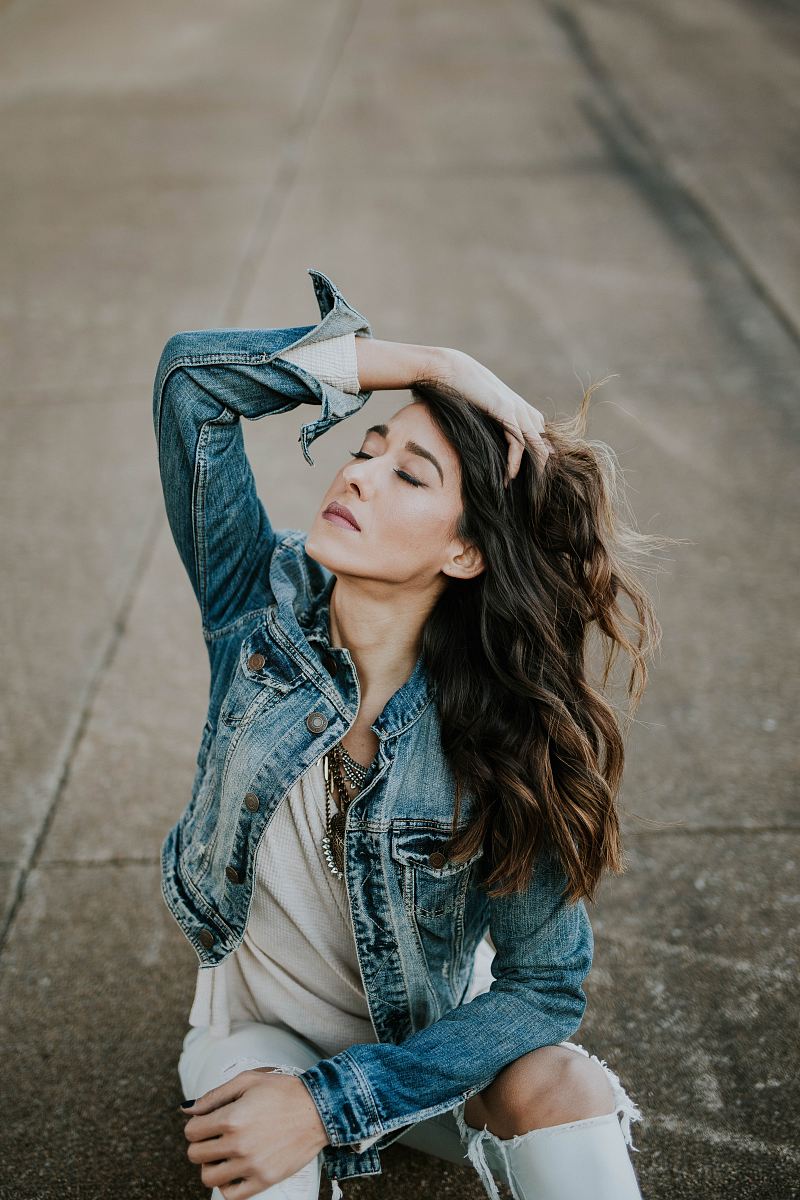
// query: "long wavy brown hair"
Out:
[523,723]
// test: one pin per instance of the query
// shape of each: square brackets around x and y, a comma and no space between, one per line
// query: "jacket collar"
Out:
[302,589]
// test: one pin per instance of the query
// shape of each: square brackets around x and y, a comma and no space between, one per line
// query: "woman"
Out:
[401,696]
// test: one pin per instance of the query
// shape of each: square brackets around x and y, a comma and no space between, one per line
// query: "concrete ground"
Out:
[563,189]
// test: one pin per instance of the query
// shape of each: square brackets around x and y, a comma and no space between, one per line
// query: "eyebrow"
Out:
[414,447]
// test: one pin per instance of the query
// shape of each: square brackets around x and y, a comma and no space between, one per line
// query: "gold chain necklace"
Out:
[348,777]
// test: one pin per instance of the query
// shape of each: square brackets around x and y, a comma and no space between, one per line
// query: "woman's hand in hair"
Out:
[522,422]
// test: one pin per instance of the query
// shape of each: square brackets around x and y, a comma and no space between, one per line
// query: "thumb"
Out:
[215,1098]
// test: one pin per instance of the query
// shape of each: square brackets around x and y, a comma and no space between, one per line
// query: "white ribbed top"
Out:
[297,964]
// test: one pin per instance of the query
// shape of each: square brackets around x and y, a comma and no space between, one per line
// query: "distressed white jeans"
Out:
[587,1159]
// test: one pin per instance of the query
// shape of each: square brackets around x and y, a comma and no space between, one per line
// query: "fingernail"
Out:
[187,1103]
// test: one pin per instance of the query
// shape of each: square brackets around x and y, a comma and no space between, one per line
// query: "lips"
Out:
[335,509]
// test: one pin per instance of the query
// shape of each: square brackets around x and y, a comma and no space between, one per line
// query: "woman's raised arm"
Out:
[206,381]
[384,366]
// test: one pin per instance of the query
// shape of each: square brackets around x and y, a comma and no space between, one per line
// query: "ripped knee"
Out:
[624,1106]
[551,1085]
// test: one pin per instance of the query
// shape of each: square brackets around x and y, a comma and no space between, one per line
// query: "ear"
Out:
[466,563]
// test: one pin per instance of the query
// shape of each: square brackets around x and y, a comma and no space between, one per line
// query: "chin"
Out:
[327,555]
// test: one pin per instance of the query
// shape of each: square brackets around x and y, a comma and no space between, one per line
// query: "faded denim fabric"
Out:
[280,697]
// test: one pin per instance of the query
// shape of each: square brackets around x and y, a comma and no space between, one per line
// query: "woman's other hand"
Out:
[260,1127]
[522,422]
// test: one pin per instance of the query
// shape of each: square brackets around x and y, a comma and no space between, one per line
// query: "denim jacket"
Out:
[280,696]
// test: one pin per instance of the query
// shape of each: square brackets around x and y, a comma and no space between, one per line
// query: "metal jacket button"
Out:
[207,938]
[437,859]
[232,874]
[256,661]
[317,722]
[251,801]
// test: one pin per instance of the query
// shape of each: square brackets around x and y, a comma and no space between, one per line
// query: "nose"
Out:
[353,476]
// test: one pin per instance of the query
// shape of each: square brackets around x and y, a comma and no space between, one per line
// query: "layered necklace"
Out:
[344,779]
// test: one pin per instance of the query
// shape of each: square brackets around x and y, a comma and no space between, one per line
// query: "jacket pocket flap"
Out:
[261,662]
[426,847]
[261,669]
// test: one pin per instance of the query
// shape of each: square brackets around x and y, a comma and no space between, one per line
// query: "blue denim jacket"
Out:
[281,695]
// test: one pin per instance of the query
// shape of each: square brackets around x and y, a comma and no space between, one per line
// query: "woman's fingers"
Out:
[539,445]
[216,1097]
[529,424]
[515,444]
[521,422]
[228,1172]
[211,1150]
[517,436]
[209,1125]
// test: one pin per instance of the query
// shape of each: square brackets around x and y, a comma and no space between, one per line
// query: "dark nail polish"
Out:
[187,1103]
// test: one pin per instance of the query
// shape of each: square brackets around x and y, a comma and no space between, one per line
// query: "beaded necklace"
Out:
[349,777]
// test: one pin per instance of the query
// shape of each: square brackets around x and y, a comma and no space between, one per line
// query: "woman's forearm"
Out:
[385,365]
[402,364]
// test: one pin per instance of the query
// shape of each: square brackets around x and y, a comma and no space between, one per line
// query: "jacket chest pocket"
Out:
[433,885]
[263,675]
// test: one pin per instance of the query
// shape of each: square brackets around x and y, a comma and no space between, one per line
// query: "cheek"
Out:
[413,527]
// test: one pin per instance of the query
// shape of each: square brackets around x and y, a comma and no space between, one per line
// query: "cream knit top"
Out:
[297,964]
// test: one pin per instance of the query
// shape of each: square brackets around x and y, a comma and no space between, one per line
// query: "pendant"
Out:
[336,840]
[329,859]
[337,829]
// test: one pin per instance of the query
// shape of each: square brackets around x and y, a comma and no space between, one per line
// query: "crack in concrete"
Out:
[320,80]
[82,717]
[731,281]
[293,148]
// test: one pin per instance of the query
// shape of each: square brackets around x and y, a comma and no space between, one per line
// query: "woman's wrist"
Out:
[389,366]
[318,1134]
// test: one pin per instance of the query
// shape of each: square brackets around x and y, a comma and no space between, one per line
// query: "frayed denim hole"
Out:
[624,1107]
[245,1063]
[473,1139]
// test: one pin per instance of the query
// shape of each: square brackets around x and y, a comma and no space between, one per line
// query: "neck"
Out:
[381,627]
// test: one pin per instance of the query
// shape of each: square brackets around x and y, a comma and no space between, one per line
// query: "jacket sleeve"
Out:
[205,382]
[544,948]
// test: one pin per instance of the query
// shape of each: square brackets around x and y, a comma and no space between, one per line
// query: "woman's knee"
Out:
[548,1086]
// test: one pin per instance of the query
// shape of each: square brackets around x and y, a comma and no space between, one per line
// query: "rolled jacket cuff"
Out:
[333,361]
[344,1101]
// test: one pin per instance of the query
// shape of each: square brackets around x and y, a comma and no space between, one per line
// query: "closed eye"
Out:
[403,474]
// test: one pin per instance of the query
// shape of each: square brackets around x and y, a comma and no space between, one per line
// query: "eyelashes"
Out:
[403,474]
